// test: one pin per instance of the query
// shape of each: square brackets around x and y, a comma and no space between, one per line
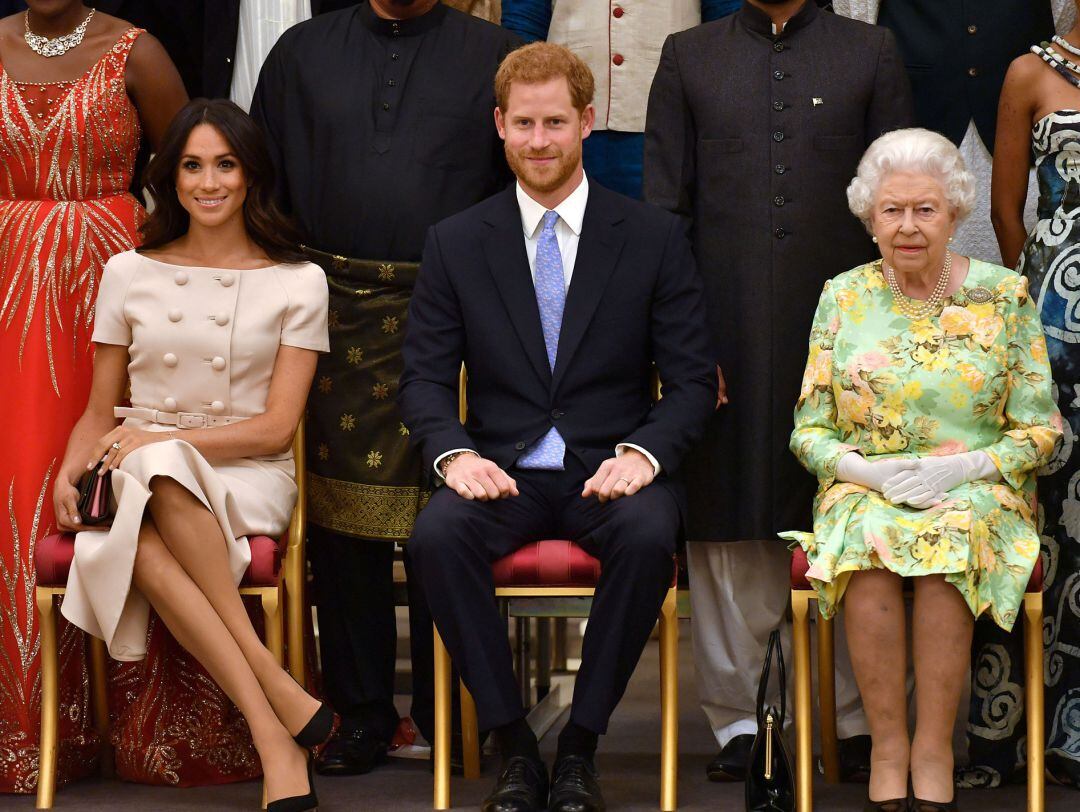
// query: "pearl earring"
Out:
[874,239]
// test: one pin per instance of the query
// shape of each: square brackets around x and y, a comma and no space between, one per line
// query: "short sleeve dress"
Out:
[974,376]
[200,340]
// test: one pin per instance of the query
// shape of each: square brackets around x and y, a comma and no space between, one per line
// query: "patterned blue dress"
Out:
[1051,261]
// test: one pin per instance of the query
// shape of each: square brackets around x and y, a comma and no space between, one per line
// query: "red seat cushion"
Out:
[52,560]
[547,563]
[799,566]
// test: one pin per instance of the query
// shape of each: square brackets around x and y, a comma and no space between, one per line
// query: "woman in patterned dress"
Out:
[70,126]
[1039,119]
[925,409]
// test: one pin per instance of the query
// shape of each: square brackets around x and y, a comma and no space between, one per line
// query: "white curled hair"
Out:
[912,150]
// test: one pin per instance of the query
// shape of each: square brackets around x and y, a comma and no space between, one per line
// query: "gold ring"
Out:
[116,446]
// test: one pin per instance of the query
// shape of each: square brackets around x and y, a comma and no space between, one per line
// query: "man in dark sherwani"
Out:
[756,124]
[379,121]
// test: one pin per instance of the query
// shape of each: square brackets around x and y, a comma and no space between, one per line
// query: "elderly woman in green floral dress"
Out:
[925,409]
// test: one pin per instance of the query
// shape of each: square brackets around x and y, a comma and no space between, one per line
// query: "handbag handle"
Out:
[766,671]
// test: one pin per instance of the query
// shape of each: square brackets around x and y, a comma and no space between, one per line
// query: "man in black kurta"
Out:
[379,127]
[755,128]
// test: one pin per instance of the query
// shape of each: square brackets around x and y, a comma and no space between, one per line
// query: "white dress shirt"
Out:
[261,23]
[568,233]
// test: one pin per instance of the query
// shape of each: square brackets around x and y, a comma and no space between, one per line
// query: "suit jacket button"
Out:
[520,445]
[780,233]
[556,414]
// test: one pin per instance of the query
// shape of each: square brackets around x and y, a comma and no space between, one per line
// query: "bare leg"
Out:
[942,627]
[874,622]
[194,538]
[197,627]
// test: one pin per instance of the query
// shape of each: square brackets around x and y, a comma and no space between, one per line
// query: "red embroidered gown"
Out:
[68,151]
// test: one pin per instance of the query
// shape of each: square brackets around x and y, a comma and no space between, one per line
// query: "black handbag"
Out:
[95,497]
[770,783]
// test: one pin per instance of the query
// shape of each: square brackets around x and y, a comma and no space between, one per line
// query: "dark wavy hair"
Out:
[269,228]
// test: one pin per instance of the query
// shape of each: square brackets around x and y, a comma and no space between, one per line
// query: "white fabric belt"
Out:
[182,420]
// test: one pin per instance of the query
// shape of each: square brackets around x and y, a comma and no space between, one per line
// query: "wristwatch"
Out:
[444,463]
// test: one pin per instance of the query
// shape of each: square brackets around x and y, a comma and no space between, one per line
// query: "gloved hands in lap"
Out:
[920,483]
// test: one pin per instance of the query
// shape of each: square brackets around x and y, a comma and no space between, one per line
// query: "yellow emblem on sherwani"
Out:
[348,422]
[380,391]
[374,459]
[390,324]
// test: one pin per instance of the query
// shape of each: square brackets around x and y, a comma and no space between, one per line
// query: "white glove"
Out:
[928,483]
[854,467]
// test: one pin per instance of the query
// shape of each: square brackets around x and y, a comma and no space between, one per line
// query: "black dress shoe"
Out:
[522,787]
[352,752]
[574,786]
[730,764]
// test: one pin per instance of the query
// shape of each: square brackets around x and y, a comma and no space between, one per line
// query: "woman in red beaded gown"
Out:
[70,128]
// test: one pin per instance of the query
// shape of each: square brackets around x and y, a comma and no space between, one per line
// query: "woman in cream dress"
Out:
[216,323]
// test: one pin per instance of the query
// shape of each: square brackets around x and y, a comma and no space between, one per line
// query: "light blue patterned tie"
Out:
[550,286]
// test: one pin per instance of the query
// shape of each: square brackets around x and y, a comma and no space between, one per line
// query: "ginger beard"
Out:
[547,177]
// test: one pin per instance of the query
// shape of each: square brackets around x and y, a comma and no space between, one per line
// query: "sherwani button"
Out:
[180,278]
[170,404]
[218,363]
[227,279]
[217,407]
[222,319]
[175,315]
[170,359]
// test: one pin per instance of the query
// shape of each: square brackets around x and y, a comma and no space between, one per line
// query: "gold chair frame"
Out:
[804,769]
[288,591]
[669,686]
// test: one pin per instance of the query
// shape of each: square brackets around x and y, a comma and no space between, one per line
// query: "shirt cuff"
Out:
[441,457]
[621,447]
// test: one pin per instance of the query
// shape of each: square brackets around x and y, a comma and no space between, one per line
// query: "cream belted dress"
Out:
[201,341]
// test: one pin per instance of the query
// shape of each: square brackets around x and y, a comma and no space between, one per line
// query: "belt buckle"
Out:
[190,420]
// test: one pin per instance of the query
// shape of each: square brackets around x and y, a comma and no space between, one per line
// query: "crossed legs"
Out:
[942,625]
[181,567]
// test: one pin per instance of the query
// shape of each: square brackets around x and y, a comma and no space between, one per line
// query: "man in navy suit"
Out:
[560,297]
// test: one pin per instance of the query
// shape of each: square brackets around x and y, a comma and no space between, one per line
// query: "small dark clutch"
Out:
[95,497]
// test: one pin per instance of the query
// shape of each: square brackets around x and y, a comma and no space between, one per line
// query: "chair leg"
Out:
[470,734]
[295,608]
[442,724]
[559,646]
[99,695]
[271,606]
[804,769]
[1033,679]
[669,703]
[830,756]
[50,700]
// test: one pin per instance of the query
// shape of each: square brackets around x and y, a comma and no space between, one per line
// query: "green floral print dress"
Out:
[974,377]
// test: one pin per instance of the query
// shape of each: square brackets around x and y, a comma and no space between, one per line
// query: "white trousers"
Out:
[739,593]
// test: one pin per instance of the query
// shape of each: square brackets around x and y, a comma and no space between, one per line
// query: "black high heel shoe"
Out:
[298,803]
[919,805]
[318,729]
[893,805]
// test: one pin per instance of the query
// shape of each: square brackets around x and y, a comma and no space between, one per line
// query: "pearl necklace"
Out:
[58,46]
[903,303]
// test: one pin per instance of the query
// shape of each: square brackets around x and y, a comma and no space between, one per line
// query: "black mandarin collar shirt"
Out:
[380,128]
[758,22]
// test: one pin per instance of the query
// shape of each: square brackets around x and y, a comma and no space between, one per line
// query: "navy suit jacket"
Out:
[635,300]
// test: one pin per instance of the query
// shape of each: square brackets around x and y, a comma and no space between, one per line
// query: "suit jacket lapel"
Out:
[598,250]
[509,267]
